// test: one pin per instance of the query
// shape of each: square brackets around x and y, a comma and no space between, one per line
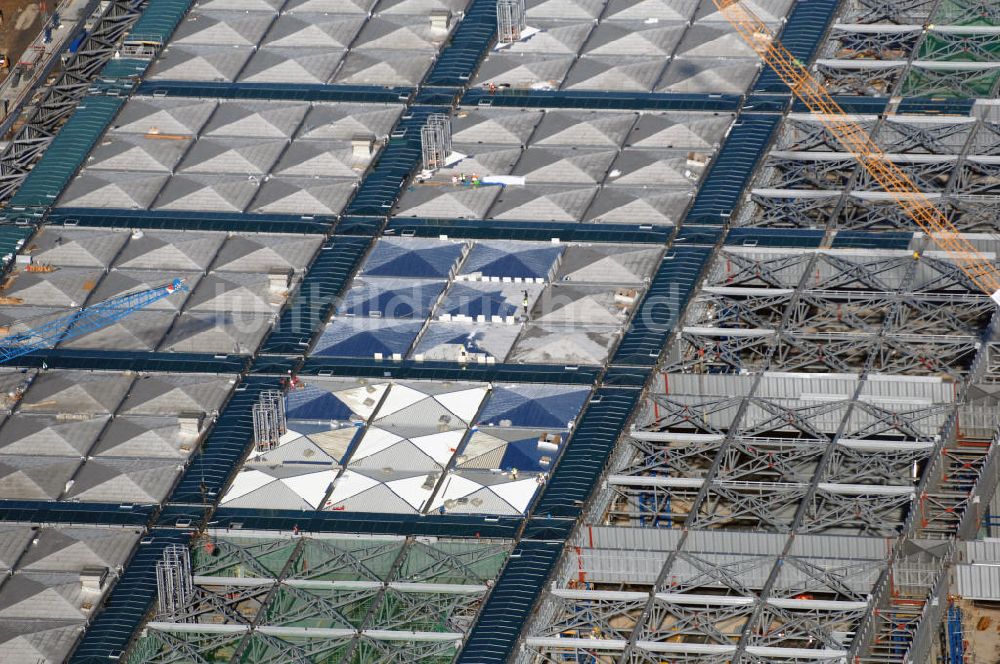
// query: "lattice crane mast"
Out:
[84,320]
[854,139]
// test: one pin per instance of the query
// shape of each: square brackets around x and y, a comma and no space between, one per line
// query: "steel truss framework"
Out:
[807,393]
[807,183]
[62,97]
[260,597]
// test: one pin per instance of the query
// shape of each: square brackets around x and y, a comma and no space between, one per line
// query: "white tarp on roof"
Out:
[280,487]
[485,492]
[381,491]
[429,407]
[381,449]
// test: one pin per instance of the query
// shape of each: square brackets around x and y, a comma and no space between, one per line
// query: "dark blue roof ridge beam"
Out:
[233,222]
[598,100]
[505,229]
[372,94]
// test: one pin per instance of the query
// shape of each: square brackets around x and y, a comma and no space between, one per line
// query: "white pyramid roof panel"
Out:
[303,195]
[553,36]
[172,116]
[74,548]
[384,67]
[717,75]
[235,292]
[494,125]
[241,5]
[121,281]
[564,9]
[654,167]
[113,189]
[450,341]
[290,64]
[535,71]
[420,7]
[608,263]
[635,38]
[447,202]
[543,202]
[714,40]
[581,304]
[174,394]
[79,247]
[314,30]
[322,158]
[329,6]
[584,128]
[244,156]
[643,10]
[770,11]
[13,539]
[218,332]
[693,131]
[199,62]
[614,72]
[45,595]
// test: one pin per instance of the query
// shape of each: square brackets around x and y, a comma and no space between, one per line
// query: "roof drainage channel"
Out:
[775,237]
[275,91]
[47,511]
[413,370]
[437,525]
[865,240]
[722,188]
[801,35]
[125,608]
[458,61]
[594,100]
[496,229]
[235,222]
[381,188]
[131,360]
[311,304]
[66,152]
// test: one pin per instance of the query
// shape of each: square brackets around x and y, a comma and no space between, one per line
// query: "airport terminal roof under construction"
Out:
[644,367]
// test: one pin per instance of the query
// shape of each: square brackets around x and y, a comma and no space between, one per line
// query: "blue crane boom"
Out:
[83,321]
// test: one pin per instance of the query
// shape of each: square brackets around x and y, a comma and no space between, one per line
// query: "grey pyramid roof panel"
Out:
[698,131]
[614,72]
[388,32]
[35,478]
[147,437]
[635,38]
[112,189]
[583,128]
[165,115]
[262,253]
[483,160]
[564,165]
[169,250]
[49,435]
[345,121]
[321,158]
[639,205]
[558,344]
[329,6]
[39,640]
[314,30]
[235,292]
[580,304]
[137,152]
[174,394]
[384,67]
[420,7]
[223,28]
[241,5]
[447,202]
[292,64]
[564,9]
[76,246]
[445,340]
[303,195]
[113,480]
[263,119]
[141,331]
[659,10]
[718,75]
[518,70]
[770,11]
[73,548]
[654,167]
[65,287]
[45,595]
[543,202]
[494,125]
[714,40]
[13,540]
[199,62]
[249,156]
[608,263]
[77,392]
[215,193]
[220,332]
[554,36]
[122,281]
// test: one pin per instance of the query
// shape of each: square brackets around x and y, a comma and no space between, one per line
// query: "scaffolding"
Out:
[174,582]
[269,423]
[510,21]
[435,140]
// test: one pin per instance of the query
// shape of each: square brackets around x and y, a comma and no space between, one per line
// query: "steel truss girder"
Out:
[945,138]
[859,271]
[373,651]
[963,12]
[209,604]
[808,628]
[770,460]
[978,177]
[920,355]
[869,81]
[693,572]
[690,414]
[986,140]
[809,174]
[871,514]
[263,648]
[783,209]
[227,554]
[757,505]
[292,606]
[845,313]
[712,623]
[161,647]
[325,558]
[768,418]
[760,270]
[940,315]
[452,564]
[452,612]
[869,420]
[887,11]
[972,82]
[847,44]
[594,617]
[64,95]
[683,459]
[741,310]
[799,134]
[836,579]
[887,467]
[928,176]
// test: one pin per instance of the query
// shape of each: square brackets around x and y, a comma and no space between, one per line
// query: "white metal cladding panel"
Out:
[855,548]
[978,581]
[735,542]
[983,551]
[747,571]
[924,389]
[859,576]
[630,539]
[825,420]
[615,566]
[704,384]
[811,387]
[927,422]
[705,409]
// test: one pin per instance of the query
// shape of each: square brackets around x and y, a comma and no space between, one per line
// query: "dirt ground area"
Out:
[981,623]
[22,20]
